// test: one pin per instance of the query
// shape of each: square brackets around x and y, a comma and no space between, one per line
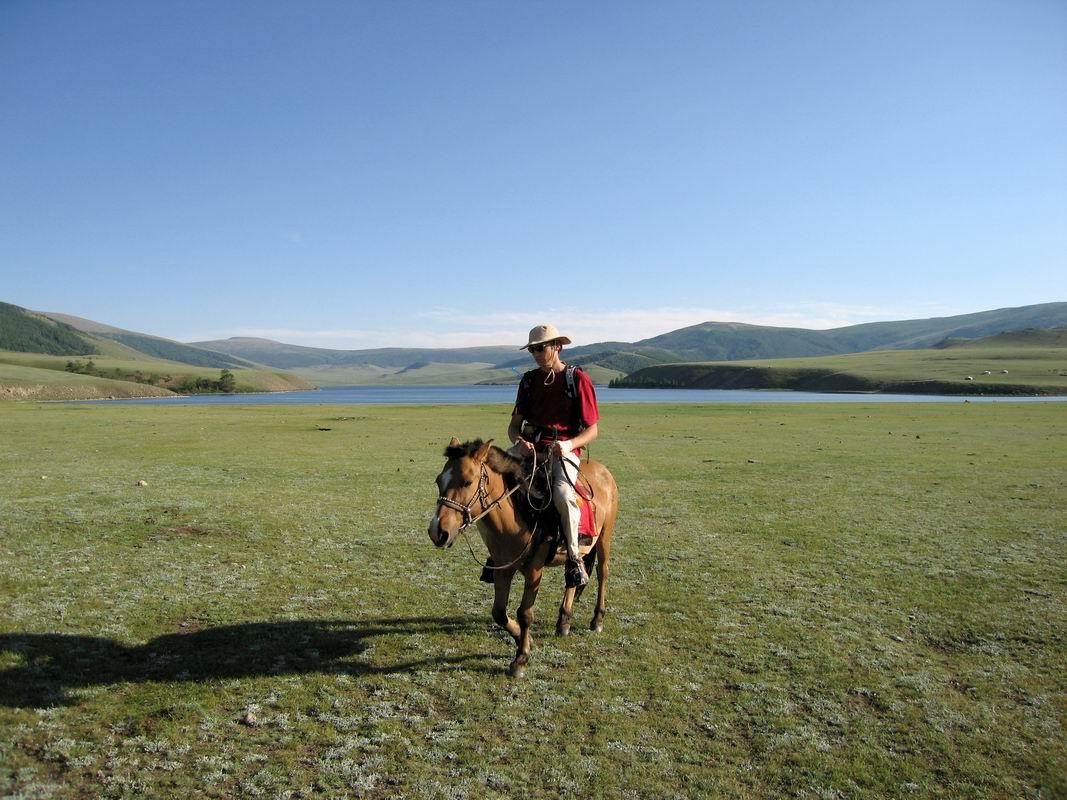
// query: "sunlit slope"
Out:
[45,377]
[60,357]
[31,383]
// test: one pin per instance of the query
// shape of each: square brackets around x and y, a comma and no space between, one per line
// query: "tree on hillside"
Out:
[227,383]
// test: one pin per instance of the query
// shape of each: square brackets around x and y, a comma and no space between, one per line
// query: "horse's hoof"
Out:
[563,630]
[517,671]
[597,625]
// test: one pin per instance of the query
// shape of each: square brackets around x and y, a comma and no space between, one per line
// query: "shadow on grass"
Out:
[54,663]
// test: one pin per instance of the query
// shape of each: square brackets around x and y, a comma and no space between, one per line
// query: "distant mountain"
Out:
[708,341]
[727,341]
[24,331]
[60,357]
[731,341]
[176,351]
[81,324]
[154,346]
[919,333]
[291,356]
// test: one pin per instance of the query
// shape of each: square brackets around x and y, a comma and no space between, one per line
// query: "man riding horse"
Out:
[554,418]
[556,415]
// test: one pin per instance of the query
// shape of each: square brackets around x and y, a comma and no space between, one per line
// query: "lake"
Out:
[469,395]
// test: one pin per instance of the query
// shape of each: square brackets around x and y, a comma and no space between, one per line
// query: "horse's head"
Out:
[459,487]
[470,486]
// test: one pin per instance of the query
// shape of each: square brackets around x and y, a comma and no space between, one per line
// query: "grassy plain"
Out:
[818,601]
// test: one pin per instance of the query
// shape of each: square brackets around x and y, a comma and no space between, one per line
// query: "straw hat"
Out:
[545,333]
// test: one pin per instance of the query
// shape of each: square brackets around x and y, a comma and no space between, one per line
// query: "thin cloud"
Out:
[445,328]
[635,324]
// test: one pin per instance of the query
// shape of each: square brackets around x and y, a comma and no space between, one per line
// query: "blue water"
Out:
[468,395]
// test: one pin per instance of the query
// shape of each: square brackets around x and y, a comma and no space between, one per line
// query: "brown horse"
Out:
[482,484]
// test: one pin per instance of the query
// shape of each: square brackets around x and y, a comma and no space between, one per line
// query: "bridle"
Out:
[481,495]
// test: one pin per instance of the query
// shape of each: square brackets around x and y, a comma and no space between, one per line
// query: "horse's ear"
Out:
[454,442]
[483,451]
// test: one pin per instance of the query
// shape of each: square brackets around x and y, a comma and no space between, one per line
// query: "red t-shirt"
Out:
[550,407]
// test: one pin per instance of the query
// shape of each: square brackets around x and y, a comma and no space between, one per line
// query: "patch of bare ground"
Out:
[40,391]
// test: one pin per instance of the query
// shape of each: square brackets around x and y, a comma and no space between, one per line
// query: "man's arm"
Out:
[515,434]
[583,439]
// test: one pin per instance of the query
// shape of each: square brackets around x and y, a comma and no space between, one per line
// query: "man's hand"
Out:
[525,447]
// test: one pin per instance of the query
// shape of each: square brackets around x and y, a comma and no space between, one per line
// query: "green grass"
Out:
[1038,366]
[807,601]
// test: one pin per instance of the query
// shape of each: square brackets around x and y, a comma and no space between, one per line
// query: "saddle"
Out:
[549,525]
[546,516]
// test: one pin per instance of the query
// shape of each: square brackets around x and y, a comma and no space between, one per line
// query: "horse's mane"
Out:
[511,467]
[461,450]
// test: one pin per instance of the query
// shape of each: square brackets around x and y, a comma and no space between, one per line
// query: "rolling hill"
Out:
[23,331]
[60,357]
[728,341]
[709,341]
[706,341]
[264,365]
[152,346]
[1031,362]
[291,356]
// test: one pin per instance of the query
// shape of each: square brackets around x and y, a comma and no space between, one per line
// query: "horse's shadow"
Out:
[52,664]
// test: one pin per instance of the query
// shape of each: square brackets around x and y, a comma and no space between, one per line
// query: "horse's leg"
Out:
[526,616]
[603,567]
[563,624]
[502,584]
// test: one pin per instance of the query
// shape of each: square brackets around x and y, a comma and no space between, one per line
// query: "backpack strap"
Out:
[571,390]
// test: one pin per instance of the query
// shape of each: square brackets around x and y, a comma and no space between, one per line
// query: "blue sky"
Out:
[365,174]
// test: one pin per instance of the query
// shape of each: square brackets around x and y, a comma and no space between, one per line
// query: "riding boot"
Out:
[487,571]
[576,576]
